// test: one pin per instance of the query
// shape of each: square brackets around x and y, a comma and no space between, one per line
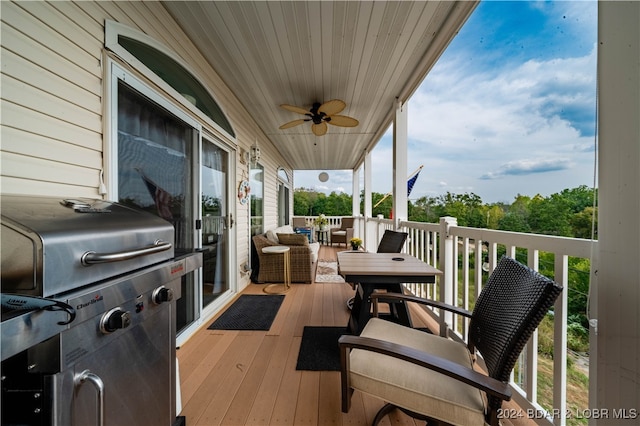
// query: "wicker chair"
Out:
[432,378]
[343,234]
[269,267]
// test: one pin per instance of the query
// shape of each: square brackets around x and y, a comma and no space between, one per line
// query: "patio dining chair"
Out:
[391,242]
[433,378]
[343,234]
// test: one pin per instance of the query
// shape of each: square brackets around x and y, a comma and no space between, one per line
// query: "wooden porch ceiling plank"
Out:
[300,39]
[276,37]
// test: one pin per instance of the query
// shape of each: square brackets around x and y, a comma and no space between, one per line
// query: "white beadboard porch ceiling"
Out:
[300,52]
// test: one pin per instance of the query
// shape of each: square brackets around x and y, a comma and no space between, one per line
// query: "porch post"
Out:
[355,190]
[355,203]
[400,132]
[446,264]
[614,367]
[368,205]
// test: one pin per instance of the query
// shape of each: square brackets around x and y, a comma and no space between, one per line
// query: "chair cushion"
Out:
[339,233]
[272,234]
[413,387]
[314,248]
[293,239]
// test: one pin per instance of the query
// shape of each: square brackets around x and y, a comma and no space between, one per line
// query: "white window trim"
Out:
[114,29]
[116,72]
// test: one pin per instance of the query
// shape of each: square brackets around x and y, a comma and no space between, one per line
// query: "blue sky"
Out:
[508,109]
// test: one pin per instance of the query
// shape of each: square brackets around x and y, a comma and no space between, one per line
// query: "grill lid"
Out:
[51,246]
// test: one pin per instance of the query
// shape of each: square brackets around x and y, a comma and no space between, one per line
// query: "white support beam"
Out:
[400,136]
[614,367]
[368,204]
[355,190]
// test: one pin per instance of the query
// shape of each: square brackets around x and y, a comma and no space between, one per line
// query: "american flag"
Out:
[161,197]
[412,181]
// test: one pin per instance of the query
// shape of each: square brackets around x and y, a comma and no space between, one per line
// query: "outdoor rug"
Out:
[319,349]
[327,272]
[249,312]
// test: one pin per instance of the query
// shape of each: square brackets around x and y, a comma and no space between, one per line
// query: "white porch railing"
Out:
[454,249]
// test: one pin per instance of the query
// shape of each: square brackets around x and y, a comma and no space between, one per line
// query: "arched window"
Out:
[168,69]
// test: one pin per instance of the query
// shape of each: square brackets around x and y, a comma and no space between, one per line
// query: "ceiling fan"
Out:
[320,115]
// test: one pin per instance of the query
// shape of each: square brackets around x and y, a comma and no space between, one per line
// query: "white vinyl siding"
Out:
[53,101]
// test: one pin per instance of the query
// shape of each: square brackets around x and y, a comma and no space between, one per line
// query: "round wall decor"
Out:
[244,191]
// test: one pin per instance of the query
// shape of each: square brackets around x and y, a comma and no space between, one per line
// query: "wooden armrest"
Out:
[420,300]
[469,376]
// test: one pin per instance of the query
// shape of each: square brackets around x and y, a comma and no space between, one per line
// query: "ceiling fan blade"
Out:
[332,107]
[319,129]
[343,121]
[294,108]
[292,123]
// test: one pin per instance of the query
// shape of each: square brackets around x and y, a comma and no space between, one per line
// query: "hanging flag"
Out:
[412,181]
[161,198]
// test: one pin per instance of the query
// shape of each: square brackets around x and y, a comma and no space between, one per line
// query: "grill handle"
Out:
[92,258]
[97,382]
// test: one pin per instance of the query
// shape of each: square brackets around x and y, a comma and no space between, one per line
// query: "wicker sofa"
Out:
[268,268]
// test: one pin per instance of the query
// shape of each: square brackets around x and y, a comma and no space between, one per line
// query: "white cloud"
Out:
[527,167]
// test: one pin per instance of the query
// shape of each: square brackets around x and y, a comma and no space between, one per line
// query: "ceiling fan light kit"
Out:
[320,115]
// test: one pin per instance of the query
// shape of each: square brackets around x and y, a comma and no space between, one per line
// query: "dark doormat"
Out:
[319,349]
[249,312]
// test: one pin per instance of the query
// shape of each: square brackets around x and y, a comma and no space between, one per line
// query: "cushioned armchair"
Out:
[433,378]
[268,268]
[343,234]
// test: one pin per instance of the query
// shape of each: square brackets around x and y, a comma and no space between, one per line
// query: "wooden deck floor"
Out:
[250,378]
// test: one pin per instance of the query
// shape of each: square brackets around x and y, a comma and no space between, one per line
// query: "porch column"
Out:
[447,265]
[355,203]
[368,205]
[355,190]
[400,132]
[614,379]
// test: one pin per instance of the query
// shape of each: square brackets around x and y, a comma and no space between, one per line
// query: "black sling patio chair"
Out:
[391,242]
[432,378]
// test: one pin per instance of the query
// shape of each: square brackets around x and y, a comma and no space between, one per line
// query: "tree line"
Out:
[569,213]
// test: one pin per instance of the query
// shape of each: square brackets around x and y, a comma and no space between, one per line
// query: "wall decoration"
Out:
[244,191]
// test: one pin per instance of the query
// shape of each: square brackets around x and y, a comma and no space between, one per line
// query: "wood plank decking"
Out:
[249,377]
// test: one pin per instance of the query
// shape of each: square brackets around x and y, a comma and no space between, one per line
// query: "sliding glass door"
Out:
[216,220]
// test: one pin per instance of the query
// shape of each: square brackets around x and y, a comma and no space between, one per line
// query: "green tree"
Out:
[550,216]
[581,224]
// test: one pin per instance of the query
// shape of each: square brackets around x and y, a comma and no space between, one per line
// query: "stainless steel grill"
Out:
[88,317]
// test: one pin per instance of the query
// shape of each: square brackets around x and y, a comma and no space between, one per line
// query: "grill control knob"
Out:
[114,319]
[161,295]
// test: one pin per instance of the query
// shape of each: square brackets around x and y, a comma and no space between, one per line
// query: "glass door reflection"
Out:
[215,235]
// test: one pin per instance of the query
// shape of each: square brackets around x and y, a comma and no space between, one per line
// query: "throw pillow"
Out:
[293,239]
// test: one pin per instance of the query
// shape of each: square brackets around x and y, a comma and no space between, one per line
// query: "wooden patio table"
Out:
[381,271]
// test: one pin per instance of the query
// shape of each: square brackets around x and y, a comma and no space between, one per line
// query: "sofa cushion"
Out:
[293,239]
[314,248]
[272,234]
